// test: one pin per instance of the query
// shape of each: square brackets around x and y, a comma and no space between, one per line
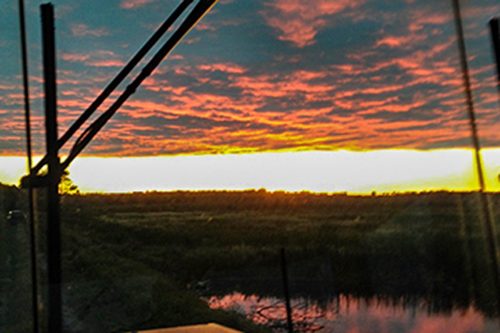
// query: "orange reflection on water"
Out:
[346,314]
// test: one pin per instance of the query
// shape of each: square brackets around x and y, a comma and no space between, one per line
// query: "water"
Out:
[348,314]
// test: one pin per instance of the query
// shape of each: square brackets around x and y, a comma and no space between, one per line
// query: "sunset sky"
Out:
[286,79]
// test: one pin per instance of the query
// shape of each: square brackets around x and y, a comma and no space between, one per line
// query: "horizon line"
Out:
[267,191]
[342,170]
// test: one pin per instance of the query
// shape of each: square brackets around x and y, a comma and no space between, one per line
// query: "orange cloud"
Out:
[82,30]
[74,57]
[227,68]
[133,4]
[106,63]
[226,107]
[392,41]
[99,58]
[298,21]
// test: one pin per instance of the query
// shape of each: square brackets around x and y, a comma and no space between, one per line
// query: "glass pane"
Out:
[319,147]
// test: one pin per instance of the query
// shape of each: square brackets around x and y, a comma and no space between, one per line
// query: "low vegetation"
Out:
[144,260]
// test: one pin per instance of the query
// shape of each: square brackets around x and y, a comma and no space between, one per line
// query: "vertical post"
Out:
[284,273]
[488,219]
[33,266]
[495,40]
[53,221]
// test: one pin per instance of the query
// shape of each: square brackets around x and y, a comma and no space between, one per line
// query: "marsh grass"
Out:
[428,247]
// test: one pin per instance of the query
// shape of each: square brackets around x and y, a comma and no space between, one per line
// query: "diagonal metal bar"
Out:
[108,90]
[201,8]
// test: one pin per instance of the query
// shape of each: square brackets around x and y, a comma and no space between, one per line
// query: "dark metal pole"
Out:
[33,263]
[124,72]
[284,273]
[53,218]
[488,219]
[495,41]
[468,92]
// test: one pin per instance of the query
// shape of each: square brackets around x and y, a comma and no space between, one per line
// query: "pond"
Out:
[349,314]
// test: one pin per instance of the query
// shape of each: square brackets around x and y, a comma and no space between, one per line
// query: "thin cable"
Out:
[27,111]
[488,220]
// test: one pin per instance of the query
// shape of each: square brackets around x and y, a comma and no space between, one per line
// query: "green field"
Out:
[427,246]
[143,260]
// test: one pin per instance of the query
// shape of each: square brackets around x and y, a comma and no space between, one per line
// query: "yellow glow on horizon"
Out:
[396,170]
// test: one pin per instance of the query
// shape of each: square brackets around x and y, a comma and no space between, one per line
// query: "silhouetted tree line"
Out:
[340,204]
